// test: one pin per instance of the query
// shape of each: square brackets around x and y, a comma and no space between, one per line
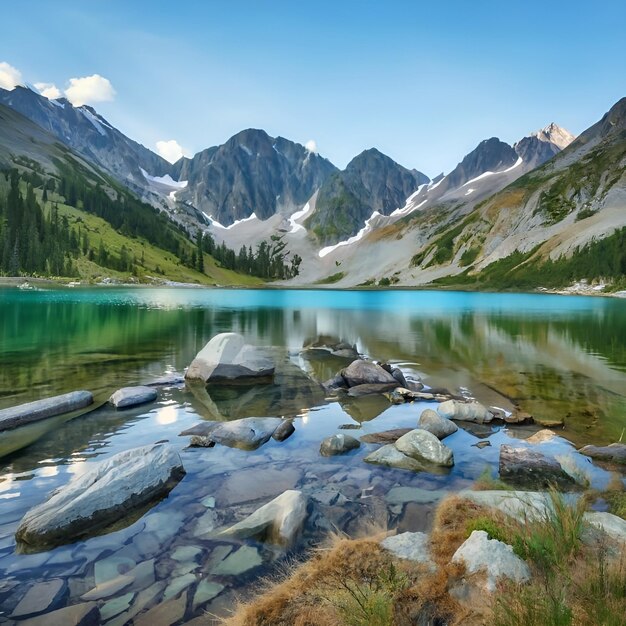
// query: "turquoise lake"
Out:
[556,357]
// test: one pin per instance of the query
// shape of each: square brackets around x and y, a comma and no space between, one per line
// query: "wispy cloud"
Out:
[170,150]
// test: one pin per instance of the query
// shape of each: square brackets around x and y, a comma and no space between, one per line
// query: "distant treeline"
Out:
[34,239]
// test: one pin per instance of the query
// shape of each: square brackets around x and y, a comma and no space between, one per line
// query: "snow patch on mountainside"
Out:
[407,208]
[166,180]
[295,227]
[328,249]
[215,224]
[94,120]
[485,174]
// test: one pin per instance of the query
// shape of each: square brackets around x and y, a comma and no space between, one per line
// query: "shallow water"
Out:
[553,356]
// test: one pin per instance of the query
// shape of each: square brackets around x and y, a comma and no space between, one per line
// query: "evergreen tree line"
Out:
[35,242]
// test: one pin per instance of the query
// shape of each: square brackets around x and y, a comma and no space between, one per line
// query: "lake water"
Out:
[555,357]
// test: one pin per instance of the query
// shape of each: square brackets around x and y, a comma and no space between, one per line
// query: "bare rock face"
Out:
[279,521]
[528,468]
[108,491]
[227,358]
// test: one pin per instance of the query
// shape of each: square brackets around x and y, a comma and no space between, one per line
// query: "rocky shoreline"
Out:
[393,478]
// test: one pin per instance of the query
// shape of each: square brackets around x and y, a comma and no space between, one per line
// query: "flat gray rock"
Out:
[41,409]
[433,422]
[106,492]
[132,396]
[227,358]
[86,614]
[40,597]
[338,444]
[424,446]
[613,453]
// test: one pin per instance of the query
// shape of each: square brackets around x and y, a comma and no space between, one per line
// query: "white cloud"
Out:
[89,89]
[311,145]
[48,90]
[170,150]
[9,76]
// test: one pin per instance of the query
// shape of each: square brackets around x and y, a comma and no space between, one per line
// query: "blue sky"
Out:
[421,82]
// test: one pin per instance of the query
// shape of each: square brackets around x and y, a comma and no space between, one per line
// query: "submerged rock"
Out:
[338,444]
[334,346]
[41,597]
[41,409]
[227,358]
[279,521]
[108,491]
[424,446]
[433,422]
[465,411]
[361,372]
[494,558]
[400,395]
[529,468]
[369,389]
[390,456]
[132,396]
[86,614]
[385,436]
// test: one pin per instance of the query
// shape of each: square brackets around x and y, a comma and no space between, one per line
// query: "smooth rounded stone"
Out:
[238,562]
[529,468]
[284,431]
[369,389]
[396,372]
[41,409]
[422,445]
[132,396]
[167,380]
[106,492]
[335,383]
[170,612]
[361,372]
[338,444]
[480,554]
[401,495]
[205,592]
[613,453]
[410,546]
[390,456]
[40,597]
[86,614]
[248,433]
[227,358]
[114,607]
[279,521]
[465,411]
[611,525]
[433,422]
[542,436]
[385,436]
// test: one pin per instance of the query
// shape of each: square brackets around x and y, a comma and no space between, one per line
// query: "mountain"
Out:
[88,134]
[251,173]
[517,227]
[371,182]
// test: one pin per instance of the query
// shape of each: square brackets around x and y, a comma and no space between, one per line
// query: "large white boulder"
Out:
[108,491]
[248,433]
[433,422]
[494,558]
[410,546]
[424,446]
[228,358]
[279,521]
[465,411]
[390,456]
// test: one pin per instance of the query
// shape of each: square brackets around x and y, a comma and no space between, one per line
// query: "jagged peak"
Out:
[555,134]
